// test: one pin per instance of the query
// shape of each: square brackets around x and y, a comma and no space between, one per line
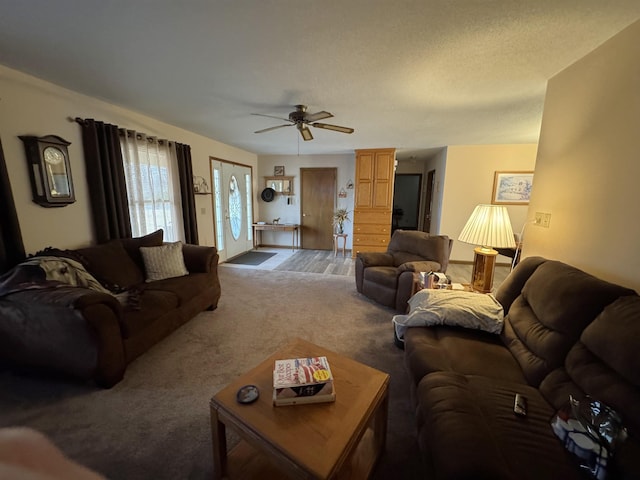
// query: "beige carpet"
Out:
[155,423]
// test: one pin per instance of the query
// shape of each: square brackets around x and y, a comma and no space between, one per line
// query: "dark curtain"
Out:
[11,246]
[183,152]
[105,175]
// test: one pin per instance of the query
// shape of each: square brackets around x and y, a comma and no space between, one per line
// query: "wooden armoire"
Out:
[373,202]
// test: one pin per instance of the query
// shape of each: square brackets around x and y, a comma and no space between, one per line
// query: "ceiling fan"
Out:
[300,118]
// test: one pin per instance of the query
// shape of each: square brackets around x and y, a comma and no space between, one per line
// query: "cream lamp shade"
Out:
[489,226]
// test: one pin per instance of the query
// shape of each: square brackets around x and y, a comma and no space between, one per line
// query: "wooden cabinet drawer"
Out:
[363,228]
[369,216]
[370,239]
[368,248]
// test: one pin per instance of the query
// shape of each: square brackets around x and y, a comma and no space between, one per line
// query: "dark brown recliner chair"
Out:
[387,277]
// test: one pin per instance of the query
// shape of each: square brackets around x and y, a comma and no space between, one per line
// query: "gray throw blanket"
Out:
[48,272]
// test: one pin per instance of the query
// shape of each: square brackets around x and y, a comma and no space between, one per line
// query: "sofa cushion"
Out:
[557,302]
[614,337]
[184,288]
[605,363]
[385,276]
[453,349]
[420,266]
[410,246]
[132,246]
[165,261]
[111,265]
[153,305]
[467,427]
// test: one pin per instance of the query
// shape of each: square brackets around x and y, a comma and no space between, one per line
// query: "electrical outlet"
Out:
[542,219]
[546,220]
[537,220]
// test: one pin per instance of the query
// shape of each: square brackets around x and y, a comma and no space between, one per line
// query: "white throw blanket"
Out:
[431,307]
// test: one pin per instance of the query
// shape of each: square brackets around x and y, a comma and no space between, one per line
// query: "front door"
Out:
[233,208]
[318,196]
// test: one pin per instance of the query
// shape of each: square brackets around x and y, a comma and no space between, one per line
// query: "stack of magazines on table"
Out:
[302,380]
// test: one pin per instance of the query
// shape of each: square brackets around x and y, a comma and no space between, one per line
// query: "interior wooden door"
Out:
[318,187]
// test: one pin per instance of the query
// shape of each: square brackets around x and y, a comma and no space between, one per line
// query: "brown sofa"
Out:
[565,332]
[387,277]
[88,334]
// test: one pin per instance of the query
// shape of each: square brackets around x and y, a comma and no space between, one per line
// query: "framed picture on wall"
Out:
[278,170]
[512,188]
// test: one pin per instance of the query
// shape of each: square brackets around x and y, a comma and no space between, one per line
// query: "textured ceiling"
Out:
[410,74]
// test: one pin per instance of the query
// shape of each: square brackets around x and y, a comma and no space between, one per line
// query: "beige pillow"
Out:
[163,262]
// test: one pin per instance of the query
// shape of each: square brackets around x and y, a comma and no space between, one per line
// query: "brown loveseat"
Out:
[565,332]
[387,277]
[85,333]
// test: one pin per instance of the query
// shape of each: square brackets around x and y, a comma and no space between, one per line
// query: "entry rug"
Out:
[251,258]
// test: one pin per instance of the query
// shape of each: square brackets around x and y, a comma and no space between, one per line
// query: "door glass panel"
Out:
[235,208]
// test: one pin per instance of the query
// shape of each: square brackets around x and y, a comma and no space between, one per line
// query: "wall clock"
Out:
[49,170]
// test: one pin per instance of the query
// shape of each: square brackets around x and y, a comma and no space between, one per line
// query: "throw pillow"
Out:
[431,307]
[111,265]
[163,262]
[132,245]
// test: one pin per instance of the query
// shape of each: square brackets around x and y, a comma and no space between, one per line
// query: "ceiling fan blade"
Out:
[271,116]
[314,117]
[335,128]
[273,128]
[305,132]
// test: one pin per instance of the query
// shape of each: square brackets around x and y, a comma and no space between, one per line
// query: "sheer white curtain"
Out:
[153,186]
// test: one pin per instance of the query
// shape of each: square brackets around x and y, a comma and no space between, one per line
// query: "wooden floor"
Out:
[319,261]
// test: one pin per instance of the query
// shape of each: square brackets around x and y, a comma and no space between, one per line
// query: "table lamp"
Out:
[488,226]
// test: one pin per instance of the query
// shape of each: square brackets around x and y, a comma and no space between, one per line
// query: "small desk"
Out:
[336,237]
[282,227]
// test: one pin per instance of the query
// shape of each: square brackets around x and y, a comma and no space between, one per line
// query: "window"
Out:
[151,175]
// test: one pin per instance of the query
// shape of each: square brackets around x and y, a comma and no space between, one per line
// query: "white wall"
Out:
[30,106]
[290,213]
[588,165]
[469,181]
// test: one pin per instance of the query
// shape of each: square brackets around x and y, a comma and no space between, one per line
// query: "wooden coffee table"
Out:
[342,439]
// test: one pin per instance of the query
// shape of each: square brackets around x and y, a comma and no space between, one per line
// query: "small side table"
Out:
[336,237]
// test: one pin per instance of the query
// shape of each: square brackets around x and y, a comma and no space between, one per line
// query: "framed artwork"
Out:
[512,188]
[278,170]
